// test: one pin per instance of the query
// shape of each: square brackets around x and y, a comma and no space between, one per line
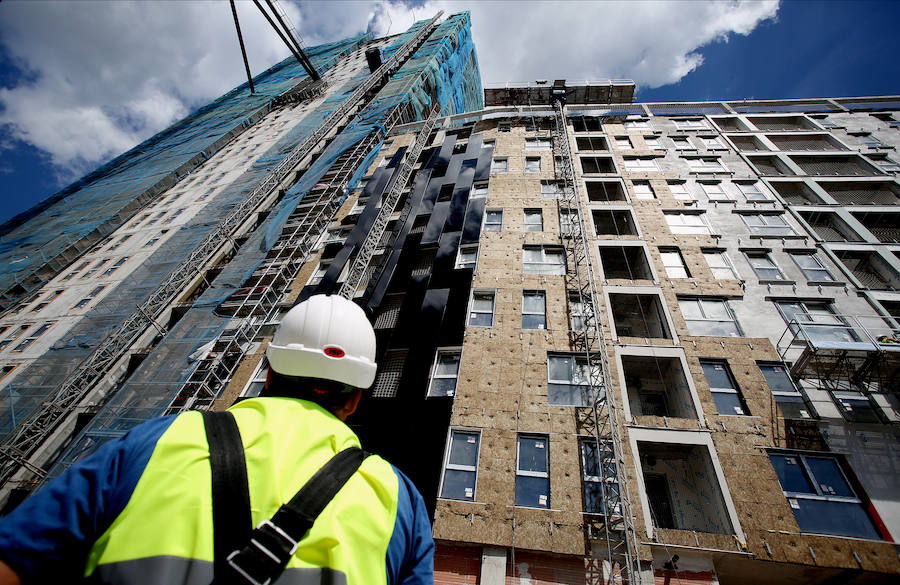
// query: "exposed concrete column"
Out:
[493,565]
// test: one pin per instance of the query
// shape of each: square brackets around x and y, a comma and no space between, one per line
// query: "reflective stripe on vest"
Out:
[169,514]
[179,571]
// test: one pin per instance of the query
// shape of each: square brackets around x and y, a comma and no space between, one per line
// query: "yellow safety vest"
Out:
[165,535]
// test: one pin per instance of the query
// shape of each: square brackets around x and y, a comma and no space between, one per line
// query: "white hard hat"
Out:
[325,337]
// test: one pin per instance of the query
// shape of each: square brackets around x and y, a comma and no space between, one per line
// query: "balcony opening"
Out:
[639,315]
[591,143]
[614,223]
[628,262]
[862,193]
[605,191]
[829,226]
[796,193]
[682,489]
[830,166]
[770,166]
[884,226]
[776,123]
[657,386]
[730,124]
[870,269]
[597,164]
[806,142]
[748,144]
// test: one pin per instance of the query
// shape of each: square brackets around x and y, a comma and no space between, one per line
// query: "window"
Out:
[467,257]
[714,191]
[682,143]
[706,164]
[89,297]
[258,380]
[812,267]
[709,317]
[568,221]
[319,274]
[479,190]
[543,260]
[577,318]
[493,220]
[623,143]
[691,124]
[115,266]
[590,143]
[534,309]
[444,373]
[537,143]
[14,335]
[121,241]
[481,309]
[787,395]
[499,165]
[674,263]
[821,496]
[686,223]
[652,142]
[679,190]
[534,220]
[93,270]
[637,125]
[551,189]
[504,127]
[488,143]
[461,465]
[81,267]
[752,192]
[643,190]
[594,475]
[763,265]
[533,471]
[815,321]
[724,389]
[172,217]
[153,240]
[855,406]
[33,336]
[568,380]
[642,164]
[884,163]
[597,164]
[767,225]
[7,370]
[720,265]
[532,164]
[711,143]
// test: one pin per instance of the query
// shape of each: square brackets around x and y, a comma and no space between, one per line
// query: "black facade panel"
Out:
[435,226]
[460,196]
[474,217]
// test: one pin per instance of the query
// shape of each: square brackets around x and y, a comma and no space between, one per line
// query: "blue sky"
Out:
[79,83]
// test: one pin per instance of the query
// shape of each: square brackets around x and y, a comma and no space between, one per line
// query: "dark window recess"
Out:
[591,143]
[829,226]
[605,191]
[884,226]
[639,315]
[389,371]
[597,164]
[628,262]
[614,223]
[861,193]
[796,193]
[587,124]
[418,226]
[657,386]
[770,165]
[781,123]
[869,269]
[839,165]
[806,142]
[446,192]
[660,502]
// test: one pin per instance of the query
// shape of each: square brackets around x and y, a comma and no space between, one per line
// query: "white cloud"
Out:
[108,74]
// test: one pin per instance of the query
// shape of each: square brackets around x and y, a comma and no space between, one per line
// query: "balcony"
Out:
[870,269]
[884,226]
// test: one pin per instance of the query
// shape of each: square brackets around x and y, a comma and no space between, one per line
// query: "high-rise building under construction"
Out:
[617,341]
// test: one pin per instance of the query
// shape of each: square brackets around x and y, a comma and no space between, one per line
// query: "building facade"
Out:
[617,341]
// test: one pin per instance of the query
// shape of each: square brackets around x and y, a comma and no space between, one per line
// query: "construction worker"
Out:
[140,509]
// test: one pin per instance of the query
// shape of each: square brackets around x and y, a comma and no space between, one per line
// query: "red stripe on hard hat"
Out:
[334,352]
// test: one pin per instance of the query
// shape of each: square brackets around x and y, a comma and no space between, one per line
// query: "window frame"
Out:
[447,465]
[645,164]
[734,390]
[558,269]
[767,228]
[686,195]
[782,397]
[744,188]
[543,313]
[544,475]
[538,143]
[607,469]
[532,164]
[498,163]
[461,263]
[709,252]
[533,212]
[772,272]
[645,189]
[663,251]
[691,124]
[488,226]
[433,375]
[705,319]
[806,271]
[686,228]
[33,336]
[704,164]
[475,313]
[623,143]
[715,191]
[578,376]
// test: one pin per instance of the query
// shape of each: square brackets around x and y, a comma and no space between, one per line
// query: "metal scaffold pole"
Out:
[615,526]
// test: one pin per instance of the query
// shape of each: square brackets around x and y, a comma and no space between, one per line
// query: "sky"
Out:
[81,82]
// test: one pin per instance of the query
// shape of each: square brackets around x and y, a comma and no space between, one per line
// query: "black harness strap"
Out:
[232,522]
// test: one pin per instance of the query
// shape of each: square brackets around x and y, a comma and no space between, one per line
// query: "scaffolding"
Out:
[614,527]
[28,436]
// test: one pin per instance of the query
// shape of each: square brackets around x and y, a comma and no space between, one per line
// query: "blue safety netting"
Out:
[444,70]
[52,234]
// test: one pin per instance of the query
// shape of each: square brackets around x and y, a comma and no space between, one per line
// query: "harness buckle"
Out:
[269,550]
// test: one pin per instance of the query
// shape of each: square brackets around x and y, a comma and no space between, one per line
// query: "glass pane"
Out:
[567,394]
[728,403]
[482,302]
[533,303]
[840,518]
[793,407]
[531,255]
[713,328]
[690,309]
[464,448]
[481,319]
[829,478]
[534,322]
[443,386]
[791,474]
[532,491]
[806,261]
[533,454]
[590,458]
[560,368]
[448,364]
[593,497]
[458,485]
[715,310]
[778,379]
[717,375]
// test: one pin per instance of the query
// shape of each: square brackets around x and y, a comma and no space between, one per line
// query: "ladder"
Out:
[373,239]
[616,526]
